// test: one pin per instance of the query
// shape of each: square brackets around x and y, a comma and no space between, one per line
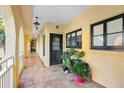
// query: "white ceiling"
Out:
[59,14]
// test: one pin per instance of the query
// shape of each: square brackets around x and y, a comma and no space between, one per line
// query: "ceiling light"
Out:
[36,23]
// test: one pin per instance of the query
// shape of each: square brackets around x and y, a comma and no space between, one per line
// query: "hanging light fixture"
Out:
[36,23]
[57,27]
[33,37]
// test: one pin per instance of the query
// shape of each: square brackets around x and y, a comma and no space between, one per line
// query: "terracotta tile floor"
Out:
[36,75]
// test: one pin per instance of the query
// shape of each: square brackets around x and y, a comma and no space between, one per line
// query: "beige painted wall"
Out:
[18,23]
[107,66]
[13,21]
[49,28]
[26,45]
[39,49]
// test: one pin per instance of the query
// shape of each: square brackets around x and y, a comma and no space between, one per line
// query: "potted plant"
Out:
[67,60]
[81,69]
[65,69]
[72,62]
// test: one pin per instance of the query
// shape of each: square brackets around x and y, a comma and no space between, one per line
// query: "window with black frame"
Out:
[74,39]
[114,32]
[79,39]
[108,34]
[68,40]
[97,36]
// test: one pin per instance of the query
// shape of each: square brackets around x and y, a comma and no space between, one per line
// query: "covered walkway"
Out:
[36,75]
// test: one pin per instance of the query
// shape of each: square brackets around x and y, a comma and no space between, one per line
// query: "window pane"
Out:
[73,40]
[78,33]
[98,41]
[114,26]
[98,30]
[56,42]
[79,39]
[68,43]
[68,36]
[114,39]
[68,40]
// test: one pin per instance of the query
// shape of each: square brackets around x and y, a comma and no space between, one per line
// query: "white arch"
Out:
[10,35]
[21,40]
[10,32]
[21,48]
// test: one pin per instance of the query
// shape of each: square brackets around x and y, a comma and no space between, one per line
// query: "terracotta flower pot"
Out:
[80,80]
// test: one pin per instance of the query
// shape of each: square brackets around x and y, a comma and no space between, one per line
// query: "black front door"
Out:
[55,48]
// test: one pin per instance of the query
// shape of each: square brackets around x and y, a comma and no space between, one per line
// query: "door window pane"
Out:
[98,41]
[98,30]
[56,42]
[114,39]
[115,26]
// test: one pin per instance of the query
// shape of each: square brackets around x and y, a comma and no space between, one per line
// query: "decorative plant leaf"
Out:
[81,68]
[72,59]
[2,33]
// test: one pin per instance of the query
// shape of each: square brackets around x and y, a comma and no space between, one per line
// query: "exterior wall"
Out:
[44,59]
[2,53]
[18,24]
[49,28]
[10,34]
[13,22]
[26,45]
[21,49]
[107,66]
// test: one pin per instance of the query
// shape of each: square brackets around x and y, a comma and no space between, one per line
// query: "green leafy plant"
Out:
[1,26]
[79,54]
[2,33]
[71,56]
[73,60]
[66,60]
[81,68]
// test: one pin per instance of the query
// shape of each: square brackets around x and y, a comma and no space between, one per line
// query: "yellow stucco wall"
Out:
[107,66]
[49,28]
[13,22]
[18,23]
[26,45]
[39,49]
[9,31]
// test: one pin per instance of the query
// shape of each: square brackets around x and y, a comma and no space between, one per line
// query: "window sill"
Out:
[116,50]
